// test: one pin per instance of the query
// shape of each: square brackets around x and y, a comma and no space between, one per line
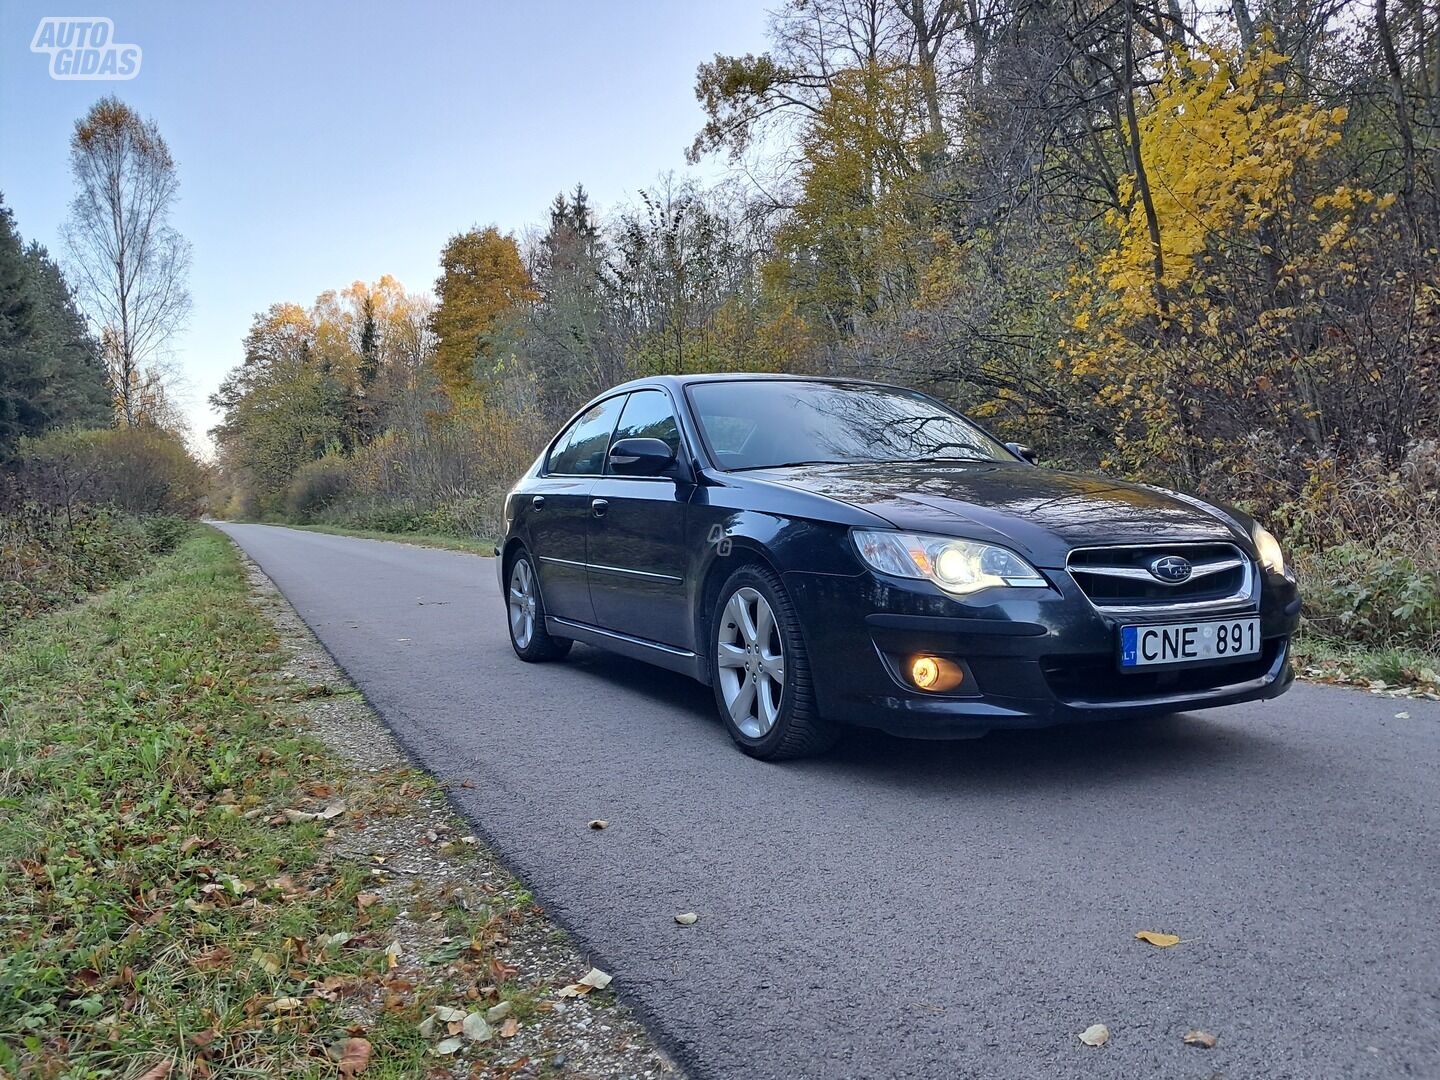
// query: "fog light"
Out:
[935,674]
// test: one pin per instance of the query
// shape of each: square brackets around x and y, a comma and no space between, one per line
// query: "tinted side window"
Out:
[648,415]
[581,449]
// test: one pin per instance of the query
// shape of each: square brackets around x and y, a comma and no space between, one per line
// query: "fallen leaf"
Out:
[448,1014]
[217,957]
[159,1072]
[392,955]
[689,918]
[1203,1039]
[354,1057]
[1095,1035]
[296,817]
[366,899]
[448,1047]
[510,1028]
[475,1028]
[285,1004]
[595,978]
[1163,941]
[1402,716]
[427,1027]
[496,1013]
[269,962]
[334,810]
[599,823]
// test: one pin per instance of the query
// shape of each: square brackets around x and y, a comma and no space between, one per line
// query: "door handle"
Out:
[538,502]
[598,507]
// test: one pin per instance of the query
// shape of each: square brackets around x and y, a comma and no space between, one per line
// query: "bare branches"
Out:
[129,263]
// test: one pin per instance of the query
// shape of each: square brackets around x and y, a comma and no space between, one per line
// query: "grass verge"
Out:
[171,896]
[1348,664]
[478,546]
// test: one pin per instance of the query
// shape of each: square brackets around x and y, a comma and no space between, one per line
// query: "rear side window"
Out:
[648,415]
[580,450]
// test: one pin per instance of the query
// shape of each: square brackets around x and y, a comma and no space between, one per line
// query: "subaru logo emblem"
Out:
[1171,569]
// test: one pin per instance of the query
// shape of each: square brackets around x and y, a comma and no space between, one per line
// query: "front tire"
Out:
[760,671]
[525,611]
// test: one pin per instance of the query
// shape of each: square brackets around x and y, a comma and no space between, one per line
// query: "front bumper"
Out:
[1033,658]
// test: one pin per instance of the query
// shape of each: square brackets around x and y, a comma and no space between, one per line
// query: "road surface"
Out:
[925,910]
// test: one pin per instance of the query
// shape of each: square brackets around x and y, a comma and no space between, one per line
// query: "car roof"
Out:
[679,381]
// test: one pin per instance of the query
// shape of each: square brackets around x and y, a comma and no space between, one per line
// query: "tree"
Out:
[481,279]
[50,375]
[282,406]
[130,263]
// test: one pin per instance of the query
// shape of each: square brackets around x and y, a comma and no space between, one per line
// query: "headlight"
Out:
[960,567]
[1268,548]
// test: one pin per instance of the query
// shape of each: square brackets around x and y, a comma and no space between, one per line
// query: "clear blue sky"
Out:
[324,142]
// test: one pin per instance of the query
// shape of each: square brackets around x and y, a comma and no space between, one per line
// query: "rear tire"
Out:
[760,671]
[525,613]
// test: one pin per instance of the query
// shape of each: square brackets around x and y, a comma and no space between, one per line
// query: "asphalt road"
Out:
[902,909]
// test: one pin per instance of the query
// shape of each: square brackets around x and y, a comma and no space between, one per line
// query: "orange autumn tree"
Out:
[482,278]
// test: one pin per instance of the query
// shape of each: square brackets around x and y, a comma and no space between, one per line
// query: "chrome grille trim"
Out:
[1243,597]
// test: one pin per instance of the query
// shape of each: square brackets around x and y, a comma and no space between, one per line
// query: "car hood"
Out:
[1041,513]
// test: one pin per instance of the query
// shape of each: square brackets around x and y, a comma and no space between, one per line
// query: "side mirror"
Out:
[1021,451]
[640,457]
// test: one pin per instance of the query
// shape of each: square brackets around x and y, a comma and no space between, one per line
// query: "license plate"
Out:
[1185,643]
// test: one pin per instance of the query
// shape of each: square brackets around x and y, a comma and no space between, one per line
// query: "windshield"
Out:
[764,423]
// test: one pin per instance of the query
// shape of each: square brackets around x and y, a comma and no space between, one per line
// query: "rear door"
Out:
[558,511]
[638,535]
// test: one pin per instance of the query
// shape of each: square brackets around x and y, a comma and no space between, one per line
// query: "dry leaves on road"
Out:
[689,918]
[1163,941]
[1095,1035]
[1203,1039]
[599,823]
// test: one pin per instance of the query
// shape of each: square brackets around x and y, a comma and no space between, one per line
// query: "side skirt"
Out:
[651,652]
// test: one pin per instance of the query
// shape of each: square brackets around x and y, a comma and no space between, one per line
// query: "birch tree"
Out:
[128,262]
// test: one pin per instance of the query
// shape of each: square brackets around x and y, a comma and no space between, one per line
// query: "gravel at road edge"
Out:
[425,857]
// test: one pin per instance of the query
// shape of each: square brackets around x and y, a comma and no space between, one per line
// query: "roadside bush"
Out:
[50,558]
[316,485]
[165,532]
[139,471]
[1365,541]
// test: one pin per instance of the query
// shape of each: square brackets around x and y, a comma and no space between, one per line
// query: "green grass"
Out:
[476,545]
[151,908]
[1348,662]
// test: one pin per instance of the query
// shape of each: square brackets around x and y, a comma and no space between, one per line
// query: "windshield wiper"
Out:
[794,464]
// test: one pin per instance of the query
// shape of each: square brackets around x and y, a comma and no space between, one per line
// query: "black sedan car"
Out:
[828,552]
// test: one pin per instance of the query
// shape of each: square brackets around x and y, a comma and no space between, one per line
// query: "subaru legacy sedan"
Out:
[826,552]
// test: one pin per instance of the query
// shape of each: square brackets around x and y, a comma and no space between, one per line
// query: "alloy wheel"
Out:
[522,603]
[750,658]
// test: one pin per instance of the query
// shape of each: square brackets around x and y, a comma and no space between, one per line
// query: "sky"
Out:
[321,142]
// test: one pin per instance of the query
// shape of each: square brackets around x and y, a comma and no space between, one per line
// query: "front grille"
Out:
[1095,679]
[1119,580]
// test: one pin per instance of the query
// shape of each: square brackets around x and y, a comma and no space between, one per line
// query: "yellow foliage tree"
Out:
[1220,146]
[1160,328]
[482,277]
[849,238]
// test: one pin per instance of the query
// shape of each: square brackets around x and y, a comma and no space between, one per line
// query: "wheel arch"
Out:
[743,551]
